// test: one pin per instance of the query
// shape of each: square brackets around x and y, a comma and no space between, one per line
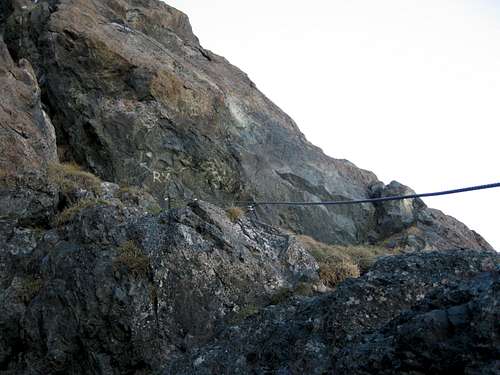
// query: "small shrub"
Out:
[132,257]
[70,177]
[234,213]
[154,209]
[70,212]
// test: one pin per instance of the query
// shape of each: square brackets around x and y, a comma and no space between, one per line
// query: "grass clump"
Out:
[129,192]
[132,257]
[70,212]
[70,177]
[338,263]
[333,273]
[28,289]
[234,213]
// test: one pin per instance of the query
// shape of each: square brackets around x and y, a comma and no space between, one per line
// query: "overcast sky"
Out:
[409,89]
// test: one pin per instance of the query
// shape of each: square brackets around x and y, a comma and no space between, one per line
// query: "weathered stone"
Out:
[454,330]
[27,143]
[421,312]
[77,300]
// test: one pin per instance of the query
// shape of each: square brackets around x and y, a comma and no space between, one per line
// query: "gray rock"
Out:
[426,309]
[117,290]
[454,330]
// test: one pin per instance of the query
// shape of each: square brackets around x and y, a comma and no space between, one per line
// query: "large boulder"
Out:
[454,330]
[410,225]
[427,313]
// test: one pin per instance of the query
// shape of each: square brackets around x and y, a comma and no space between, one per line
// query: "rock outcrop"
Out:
[136,99]
[454,330]
[27,143]
[117,290]
[431,313]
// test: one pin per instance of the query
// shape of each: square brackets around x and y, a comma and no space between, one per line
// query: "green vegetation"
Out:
[132,257]
[70,177]
[234,213]
[338,263]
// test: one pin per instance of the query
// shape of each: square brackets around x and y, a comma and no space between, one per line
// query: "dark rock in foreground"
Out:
[428,313]
[455,330]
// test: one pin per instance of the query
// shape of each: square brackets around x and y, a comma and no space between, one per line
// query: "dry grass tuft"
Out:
[333,273]
[132,257]
[284,293]
[70,212]
[70,177]
[234,213]
[338,263]
[129,192]
[29,288]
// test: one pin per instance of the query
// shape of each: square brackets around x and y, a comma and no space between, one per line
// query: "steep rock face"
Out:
[135,98]
[27,137]
[418,313]
[27,142]
[116,290]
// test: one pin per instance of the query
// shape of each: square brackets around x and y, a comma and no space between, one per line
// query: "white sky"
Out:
[409,89]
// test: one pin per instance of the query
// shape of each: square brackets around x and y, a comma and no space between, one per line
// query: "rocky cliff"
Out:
[135,99]
[97,276]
